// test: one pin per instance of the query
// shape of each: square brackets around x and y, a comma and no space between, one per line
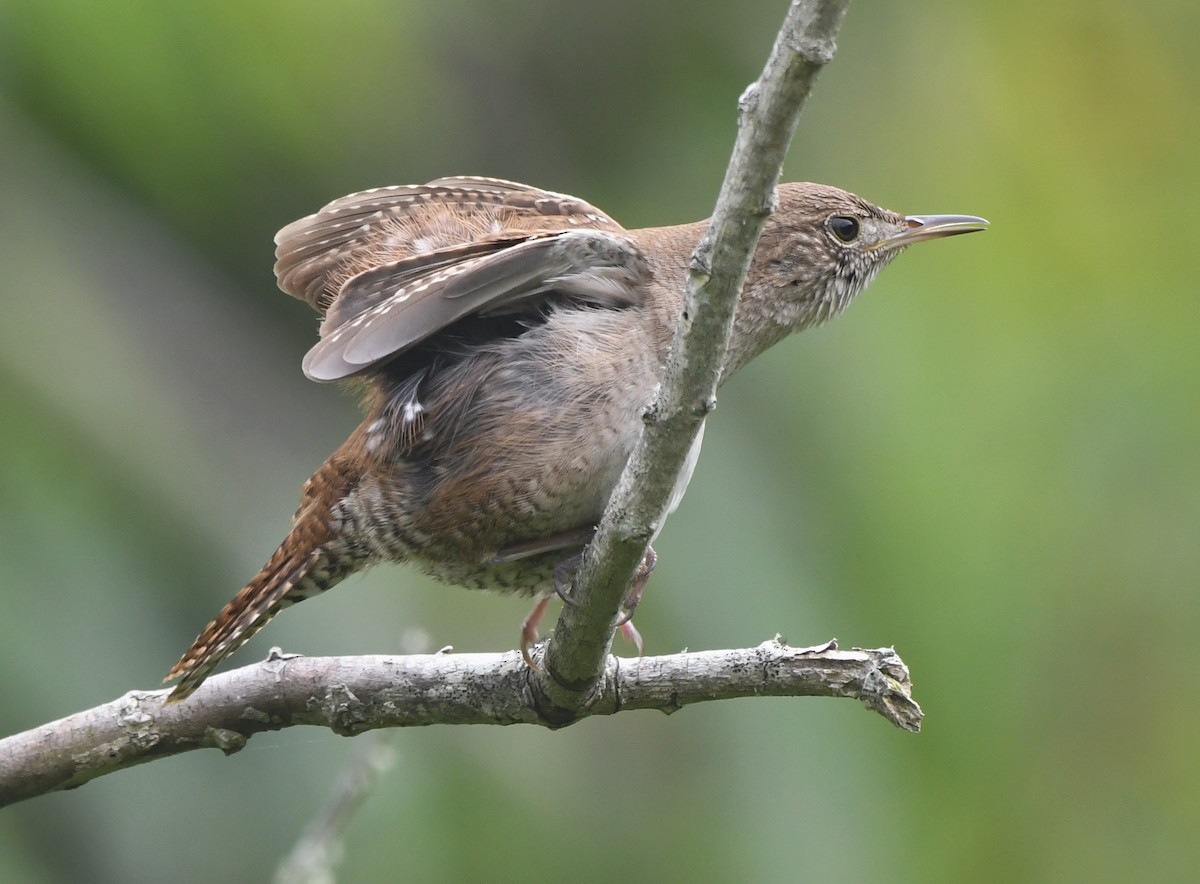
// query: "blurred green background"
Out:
[991,461]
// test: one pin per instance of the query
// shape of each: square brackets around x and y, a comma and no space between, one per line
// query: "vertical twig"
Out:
[769,111]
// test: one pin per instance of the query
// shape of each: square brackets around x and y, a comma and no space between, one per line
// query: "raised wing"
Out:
[318,253]
[409,300]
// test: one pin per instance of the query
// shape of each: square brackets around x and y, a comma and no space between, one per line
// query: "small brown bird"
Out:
[508,339]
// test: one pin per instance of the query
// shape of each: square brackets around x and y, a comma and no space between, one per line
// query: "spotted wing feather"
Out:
[409,306]
[315,254]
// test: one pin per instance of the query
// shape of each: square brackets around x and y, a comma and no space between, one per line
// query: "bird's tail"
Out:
[308,562]
[290,576]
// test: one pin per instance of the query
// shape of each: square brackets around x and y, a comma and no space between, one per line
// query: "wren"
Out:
[507,340]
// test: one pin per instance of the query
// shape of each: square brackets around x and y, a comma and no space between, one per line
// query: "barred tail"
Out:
[308,562]
[288,578]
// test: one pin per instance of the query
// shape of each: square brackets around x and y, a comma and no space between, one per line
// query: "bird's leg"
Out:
[529,631]
[639,586]
[564,572]
[635,595]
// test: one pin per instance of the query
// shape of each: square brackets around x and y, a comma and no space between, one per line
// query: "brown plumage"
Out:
[509,339]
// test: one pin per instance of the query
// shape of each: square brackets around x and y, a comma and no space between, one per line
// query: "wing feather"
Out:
[316,254]
[409,306]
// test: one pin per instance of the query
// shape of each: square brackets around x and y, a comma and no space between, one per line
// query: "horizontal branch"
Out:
[350,695]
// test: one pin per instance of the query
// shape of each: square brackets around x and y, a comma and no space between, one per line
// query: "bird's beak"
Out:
[922,227]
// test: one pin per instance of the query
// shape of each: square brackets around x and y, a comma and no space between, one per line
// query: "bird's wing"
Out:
[316,254]
[396,305]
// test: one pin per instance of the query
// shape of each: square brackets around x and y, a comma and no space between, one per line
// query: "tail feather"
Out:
[288,578]
[308,562]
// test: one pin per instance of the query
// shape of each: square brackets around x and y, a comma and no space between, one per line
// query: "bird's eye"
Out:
[844,227]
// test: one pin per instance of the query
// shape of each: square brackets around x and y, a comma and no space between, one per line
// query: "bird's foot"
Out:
[564,573]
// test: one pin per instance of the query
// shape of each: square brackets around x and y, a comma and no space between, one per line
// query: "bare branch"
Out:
[350,695]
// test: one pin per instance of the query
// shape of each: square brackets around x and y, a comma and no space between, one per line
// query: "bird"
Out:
[505,341]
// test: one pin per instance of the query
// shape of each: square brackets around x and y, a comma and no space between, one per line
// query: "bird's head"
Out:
[820,248]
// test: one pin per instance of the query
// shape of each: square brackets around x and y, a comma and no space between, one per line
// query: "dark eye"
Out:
[844,227]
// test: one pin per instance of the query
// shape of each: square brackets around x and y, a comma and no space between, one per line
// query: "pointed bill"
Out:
[923,227]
